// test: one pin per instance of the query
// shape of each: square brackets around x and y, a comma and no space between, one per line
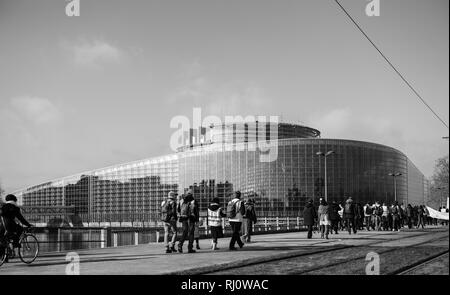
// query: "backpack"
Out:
[231,209]
[167,211]
[185,210]
[348,208]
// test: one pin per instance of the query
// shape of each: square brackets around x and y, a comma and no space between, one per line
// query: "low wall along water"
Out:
[71,238]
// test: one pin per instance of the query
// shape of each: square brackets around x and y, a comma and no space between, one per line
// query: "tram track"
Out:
[228,269]
[421,263]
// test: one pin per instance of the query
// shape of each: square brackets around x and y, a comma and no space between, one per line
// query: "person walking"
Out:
[235,213]
[215,215]
[368,216]
[249,219]
[420,217]
[350,215]
[426,215]
[198,223]
[395,211]
[187,215]
[403,219]
[324,219]
[377,213]
[409,216]
[341,217]
[385,217]
[169,217]
[309,217]
[359,218]
[334,217]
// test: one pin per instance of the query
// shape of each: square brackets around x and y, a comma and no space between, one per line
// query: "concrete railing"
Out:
[71,238]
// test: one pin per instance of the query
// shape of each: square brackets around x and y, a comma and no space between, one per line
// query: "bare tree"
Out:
[2,191]
[439,183]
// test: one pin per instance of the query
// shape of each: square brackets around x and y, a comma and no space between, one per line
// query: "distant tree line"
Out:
[2,192]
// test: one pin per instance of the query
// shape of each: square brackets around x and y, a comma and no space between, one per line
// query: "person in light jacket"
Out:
[324,219]
[215,217]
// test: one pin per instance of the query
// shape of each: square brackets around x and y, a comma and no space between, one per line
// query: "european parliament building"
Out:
[231,161]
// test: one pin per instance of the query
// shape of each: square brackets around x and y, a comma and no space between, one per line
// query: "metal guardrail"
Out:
[76,238]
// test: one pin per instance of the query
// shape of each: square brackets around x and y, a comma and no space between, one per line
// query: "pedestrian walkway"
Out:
[150,259]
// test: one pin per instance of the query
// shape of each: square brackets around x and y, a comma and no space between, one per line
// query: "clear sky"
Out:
[79,93]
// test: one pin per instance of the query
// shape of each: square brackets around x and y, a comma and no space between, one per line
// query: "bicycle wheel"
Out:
[29,248]
[3,254]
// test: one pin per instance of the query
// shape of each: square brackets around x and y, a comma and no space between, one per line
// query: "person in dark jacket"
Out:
[409,216]
[334,217]
[309,217]
[420,219]
[249,219]
[236,221]
[395,212]
[350,215]
[169,217]
[368,212]
[9,212]
[188,215]
[215,215]
[359,218]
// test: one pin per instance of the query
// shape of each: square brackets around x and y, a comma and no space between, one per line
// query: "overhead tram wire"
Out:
[392,66]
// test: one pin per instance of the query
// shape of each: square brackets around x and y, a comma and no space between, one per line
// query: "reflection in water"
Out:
[54,240]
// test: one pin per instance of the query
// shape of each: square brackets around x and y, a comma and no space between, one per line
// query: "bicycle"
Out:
[28,250]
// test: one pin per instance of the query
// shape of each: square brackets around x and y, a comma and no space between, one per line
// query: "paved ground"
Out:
[293,254]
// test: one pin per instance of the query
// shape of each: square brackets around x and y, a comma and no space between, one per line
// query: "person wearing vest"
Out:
[236,221]
[169,217]
[249,220]
[215,215]
[188,215]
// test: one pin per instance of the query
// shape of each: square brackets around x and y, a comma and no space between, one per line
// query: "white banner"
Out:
[437,214]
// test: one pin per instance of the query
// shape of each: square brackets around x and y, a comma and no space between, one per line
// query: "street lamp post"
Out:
[325,155]
[395,183]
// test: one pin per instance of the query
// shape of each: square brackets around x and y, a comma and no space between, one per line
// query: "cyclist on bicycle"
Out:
[8,213]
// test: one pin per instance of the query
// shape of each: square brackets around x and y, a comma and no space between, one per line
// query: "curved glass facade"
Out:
[281,187]
[133,191]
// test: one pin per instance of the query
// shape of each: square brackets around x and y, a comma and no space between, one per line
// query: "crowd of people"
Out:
[328,218]
[184,210]
[353,216]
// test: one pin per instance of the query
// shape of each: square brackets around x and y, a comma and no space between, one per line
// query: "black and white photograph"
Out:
[224,146]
